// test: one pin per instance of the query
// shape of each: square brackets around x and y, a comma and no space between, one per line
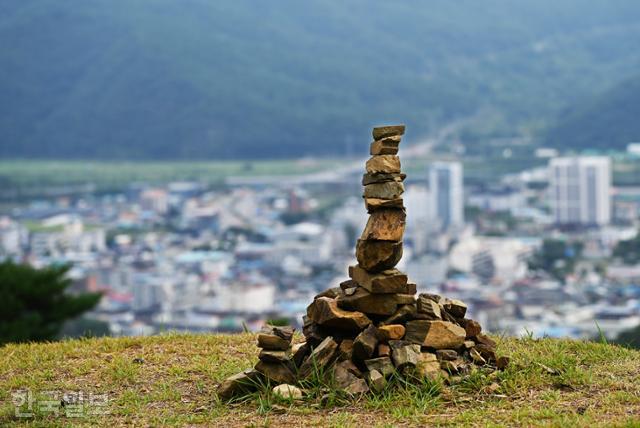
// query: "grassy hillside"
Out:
[168,79]
[171,379]
[608,121]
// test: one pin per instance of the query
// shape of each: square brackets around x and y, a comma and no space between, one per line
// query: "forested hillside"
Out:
[166,79]
[608,121]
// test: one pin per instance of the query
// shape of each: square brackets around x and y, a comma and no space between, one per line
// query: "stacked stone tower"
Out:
[373,325]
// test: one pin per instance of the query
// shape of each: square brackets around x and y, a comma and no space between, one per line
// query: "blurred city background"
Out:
[198,164]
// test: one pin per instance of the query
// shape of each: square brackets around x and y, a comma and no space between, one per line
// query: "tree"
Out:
[556,257]
[34,304]
[630,338]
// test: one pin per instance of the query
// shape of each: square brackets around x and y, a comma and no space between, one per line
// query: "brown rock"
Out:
[428,307]
[404,313]
[365,343]
[349,283]
[487,352]
[388,281]
[391,332]
[404,354]
[376,256]
[382,178]
[428,366]
[385,225]
[385,146]
[285,332]
[381,364]
[416,331]
[239,384]
[374,204]
[384,350]
[457,308]
[274,356]
[325,312]
[272,342]
[388,190]
[444,335]
[374,304]
[299,352]
[472,328]
[376,381]
[468,344]
[345,379]
[345,350]
[386,164]
[277,372]
[451,366]
[485,340]
[350,367]
[446,354]
[313,333]
[321,356]
[381,132]
[332,293]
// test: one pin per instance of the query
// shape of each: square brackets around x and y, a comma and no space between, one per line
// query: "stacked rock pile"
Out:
[373,325]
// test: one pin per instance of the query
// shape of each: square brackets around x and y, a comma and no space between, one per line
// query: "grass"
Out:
[171,379]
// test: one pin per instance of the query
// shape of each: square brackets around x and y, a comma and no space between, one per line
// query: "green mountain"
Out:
[169,79]
[608,121]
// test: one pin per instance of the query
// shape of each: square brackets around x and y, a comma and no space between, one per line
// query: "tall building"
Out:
[580,190]
[446,191]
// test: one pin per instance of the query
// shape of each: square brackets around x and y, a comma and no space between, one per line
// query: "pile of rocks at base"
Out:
[373,326]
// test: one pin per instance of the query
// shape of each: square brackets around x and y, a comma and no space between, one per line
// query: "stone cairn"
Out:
[373,325]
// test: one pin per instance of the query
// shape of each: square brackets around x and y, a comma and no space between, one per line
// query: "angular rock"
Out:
[487,352]
[468,344]
[274,356]
[391,332]
[386,164]
[472,328]
[363,301]
[384,350]
[457,308]
[313,333]
[272,342]
[376,256]
[332,293]
[428,366]
[376,381]
[385,146]
[388,281]
[446,354]
[380,132]
[429,307]
[345,379]
[385,225]
[404,313]
[275,338]
[416,331]
[321,356]
[404,354]
[485,340]
[382,178]
[451,366]
[299,352]
[374,204]
[345,350]
[349,366]
[325,312]
[349,292]
[381,364]
[288,392]
[349,283]
[277,372]
[444,335]
[388,190]
[365,344]
[239,384]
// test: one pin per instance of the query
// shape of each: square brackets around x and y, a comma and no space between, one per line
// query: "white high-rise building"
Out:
[446,191]
[580,190]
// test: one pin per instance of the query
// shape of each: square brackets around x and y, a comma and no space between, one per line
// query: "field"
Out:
[170,380]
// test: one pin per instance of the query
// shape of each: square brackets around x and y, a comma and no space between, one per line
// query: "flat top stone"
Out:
[387,131]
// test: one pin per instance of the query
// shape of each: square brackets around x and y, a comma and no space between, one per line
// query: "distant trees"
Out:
[629,250]
[33,303]
[557,257]
[630,338]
